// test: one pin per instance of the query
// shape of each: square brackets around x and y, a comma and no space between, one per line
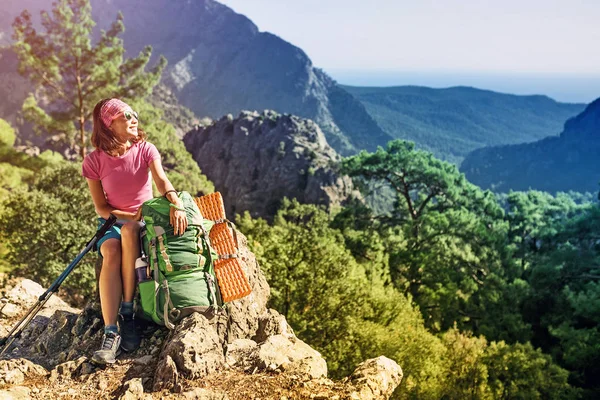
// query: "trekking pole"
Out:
[18,328]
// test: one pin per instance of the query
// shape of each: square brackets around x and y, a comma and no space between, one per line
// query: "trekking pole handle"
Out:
[107,225]
[112,219]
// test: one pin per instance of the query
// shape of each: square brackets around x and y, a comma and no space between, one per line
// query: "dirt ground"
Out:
[108,383]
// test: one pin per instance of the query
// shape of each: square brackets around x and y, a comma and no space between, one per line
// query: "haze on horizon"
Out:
[514,46]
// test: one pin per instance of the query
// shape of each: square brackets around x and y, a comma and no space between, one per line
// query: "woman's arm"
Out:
[162,182]
[102,207]
[177,216]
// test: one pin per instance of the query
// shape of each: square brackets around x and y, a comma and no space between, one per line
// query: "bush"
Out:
[48,226]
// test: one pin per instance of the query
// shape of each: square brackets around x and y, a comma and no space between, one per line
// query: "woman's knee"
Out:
[131,230]
[111,251]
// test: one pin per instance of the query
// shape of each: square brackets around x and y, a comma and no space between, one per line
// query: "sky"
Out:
[517,46]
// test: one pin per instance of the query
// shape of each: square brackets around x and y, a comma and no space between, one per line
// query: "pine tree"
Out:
[70,74]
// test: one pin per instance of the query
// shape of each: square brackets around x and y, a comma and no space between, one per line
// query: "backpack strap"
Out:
[154,258]
[168,303]
[163,285]
[212,288]
[163,249]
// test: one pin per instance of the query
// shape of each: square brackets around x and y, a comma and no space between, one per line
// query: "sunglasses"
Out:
[129,114]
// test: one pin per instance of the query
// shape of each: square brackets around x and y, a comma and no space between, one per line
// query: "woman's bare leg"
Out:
[130,250]
[110,281]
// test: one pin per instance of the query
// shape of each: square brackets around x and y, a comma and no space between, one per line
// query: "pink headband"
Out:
[111,109]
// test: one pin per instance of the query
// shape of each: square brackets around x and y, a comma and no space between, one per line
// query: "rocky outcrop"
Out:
[257,159]
[249,351]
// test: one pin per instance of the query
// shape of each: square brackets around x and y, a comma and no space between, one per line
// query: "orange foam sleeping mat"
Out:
[231,278]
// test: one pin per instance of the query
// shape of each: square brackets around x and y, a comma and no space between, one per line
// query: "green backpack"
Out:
[180,274]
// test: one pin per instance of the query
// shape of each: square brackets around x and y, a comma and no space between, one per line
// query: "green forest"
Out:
[475,295]
[453,122]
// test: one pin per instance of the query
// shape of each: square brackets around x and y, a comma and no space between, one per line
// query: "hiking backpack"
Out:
[181,277]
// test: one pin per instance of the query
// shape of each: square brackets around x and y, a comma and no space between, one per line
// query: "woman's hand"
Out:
[178,220]
[138,215]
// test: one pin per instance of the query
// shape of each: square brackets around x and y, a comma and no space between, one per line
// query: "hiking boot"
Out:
[130,333]
[109,350]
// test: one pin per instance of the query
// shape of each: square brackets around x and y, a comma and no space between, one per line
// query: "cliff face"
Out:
[567,162]
[257,159]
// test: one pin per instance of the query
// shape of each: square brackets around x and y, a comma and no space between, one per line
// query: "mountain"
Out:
[452,122]
[568,162]
[13,87]
[257,159]
[220,63]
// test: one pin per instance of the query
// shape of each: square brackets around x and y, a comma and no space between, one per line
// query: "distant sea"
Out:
[580,88]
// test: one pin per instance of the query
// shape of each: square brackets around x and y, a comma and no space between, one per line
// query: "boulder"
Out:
[290,355]
[133,390]
[26,292]
[272,323]
[193,349]
[239,354]
[14,372]
[376,378]
[15,393]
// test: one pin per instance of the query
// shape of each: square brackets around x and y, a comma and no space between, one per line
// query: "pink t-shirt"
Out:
[126,179]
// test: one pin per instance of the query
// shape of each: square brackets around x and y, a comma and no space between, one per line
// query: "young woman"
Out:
[118,174]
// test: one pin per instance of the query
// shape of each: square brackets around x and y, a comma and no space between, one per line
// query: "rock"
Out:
[134,389]
[86,368]
[245,312]
[47,334]
[88,322]
[291,355]
[15,393]
[239,353]
[134,386]
[144,360]
[13,377]
[257,159]
[376,378]
[10,310]
[166,375]
[272,323]
[27,292]
[13,372]
[102,384]
[67,369]
[57,336]
[194,347]
[204,394]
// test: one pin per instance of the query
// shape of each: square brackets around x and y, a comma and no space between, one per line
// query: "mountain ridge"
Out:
[453,121]
[567,162]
